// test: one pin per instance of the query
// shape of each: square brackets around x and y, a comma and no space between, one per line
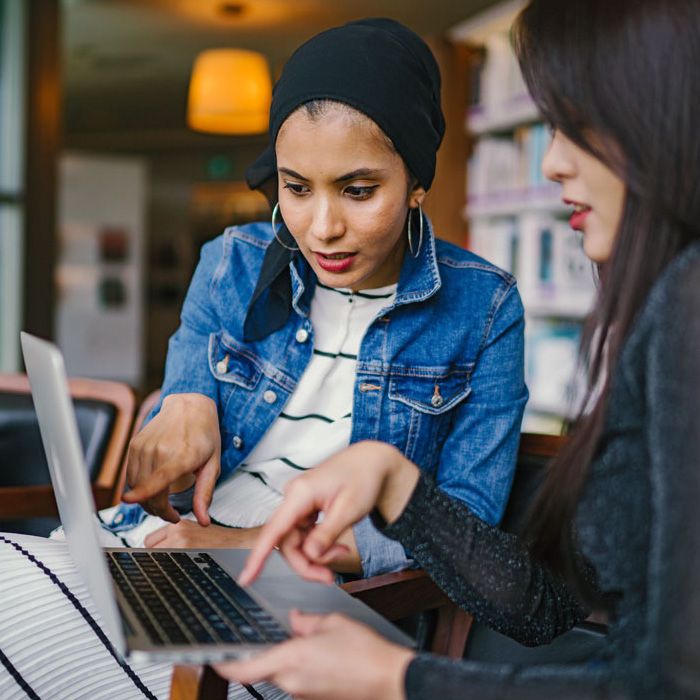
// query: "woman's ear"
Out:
[416,196]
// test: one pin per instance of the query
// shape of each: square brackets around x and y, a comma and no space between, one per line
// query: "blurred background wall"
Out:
[106,193]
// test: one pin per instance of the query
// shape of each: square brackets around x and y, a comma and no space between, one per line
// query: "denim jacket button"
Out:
[437,401]
[222,365]
[302,335]
[269,396]
[237,442]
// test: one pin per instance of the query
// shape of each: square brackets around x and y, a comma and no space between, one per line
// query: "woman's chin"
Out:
[597,246]
[340,281]
[346,279]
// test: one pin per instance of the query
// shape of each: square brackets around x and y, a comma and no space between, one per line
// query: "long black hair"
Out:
[621,80]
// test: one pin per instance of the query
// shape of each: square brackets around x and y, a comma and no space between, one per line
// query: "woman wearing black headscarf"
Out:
[342,319]
[269,365]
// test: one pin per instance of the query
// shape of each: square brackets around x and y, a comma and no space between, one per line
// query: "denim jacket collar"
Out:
[419,278]
[303,284]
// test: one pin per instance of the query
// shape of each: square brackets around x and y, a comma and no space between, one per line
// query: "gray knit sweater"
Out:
[638,526]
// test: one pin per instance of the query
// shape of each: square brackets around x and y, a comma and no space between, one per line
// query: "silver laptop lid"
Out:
[69,476]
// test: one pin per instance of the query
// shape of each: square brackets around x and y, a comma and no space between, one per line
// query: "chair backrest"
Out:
[534,453]
[104,412]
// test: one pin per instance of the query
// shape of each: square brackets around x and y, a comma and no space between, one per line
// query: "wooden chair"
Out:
[400,595]
[105,412]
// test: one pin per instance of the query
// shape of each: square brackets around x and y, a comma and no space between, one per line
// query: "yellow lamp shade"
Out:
[230,92]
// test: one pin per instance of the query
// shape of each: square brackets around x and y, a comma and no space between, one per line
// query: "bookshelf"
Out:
[516,218]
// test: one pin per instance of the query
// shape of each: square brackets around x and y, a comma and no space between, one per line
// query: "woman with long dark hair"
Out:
[617,523]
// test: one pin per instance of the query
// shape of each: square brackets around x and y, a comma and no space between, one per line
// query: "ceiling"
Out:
[127,62]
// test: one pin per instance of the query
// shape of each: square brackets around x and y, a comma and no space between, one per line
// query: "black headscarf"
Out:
[382,69]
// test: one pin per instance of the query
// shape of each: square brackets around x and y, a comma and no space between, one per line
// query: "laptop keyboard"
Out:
[183,598]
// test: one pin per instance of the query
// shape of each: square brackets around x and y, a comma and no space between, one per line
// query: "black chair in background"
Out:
[105,412]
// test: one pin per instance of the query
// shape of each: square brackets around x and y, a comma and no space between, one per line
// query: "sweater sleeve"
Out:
[484,570]
[489,573]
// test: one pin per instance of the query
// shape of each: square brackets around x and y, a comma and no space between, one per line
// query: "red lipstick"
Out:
[335,262]
[578,218]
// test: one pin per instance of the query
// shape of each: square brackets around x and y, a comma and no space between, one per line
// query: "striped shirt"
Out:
[316,421]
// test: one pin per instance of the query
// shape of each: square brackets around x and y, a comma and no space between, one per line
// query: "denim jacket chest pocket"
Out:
[238,376]
[422,405]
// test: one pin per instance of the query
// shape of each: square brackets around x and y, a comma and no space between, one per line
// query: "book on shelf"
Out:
[475,80]
[554,275]
[507,169]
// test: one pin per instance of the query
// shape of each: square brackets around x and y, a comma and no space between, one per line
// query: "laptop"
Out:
[180,606]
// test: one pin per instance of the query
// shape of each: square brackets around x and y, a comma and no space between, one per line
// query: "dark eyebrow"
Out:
[291,173]
[360,173]
[354,175]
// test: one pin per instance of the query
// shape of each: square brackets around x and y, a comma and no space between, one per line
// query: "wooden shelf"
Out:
[574,309]
[513,203]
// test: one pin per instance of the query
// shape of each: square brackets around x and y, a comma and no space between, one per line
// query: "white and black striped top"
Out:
[316,421]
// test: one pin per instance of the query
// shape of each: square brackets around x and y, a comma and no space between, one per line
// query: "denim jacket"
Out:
[439,372]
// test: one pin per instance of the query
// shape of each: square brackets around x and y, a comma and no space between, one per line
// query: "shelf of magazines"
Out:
[541,250]
[551,368]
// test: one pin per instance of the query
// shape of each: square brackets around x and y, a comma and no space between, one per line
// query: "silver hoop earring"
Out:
[275,211]
[415,253]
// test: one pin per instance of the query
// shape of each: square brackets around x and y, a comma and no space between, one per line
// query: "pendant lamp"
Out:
[230,92]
